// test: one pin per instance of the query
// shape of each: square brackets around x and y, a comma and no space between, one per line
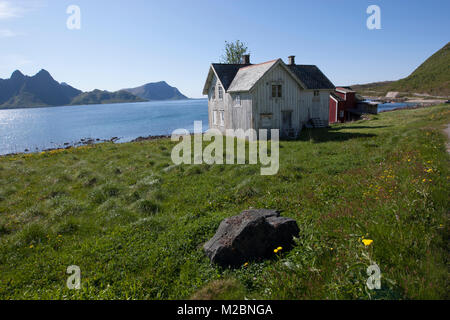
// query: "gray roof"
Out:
[247,76]
[226,72]
[311,76]
[242,77]
[335,96]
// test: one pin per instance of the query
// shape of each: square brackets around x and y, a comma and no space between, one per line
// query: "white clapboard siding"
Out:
[303,104]
[294,98]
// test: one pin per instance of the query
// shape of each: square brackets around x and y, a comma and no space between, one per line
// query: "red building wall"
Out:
[333,111]
[349,97]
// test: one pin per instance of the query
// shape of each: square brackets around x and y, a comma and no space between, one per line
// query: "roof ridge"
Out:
[258,64]
[230,64]
[303,65]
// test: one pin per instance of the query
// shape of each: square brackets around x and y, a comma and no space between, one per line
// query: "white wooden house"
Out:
[269,95]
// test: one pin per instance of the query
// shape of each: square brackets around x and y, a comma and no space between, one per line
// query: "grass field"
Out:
[135,224]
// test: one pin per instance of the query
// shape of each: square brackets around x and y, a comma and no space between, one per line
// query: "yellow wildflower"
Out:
[367,242]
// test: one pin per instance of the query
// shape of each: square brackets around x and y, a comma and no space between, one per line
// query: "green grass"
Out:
[135,224]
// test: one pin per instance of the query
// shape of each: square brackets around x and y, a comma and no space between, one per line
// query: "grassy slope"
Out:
[135,224]
[431,77]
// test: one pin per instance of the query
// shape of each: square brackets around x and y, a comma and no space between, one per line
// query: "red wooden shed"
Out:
[341,100]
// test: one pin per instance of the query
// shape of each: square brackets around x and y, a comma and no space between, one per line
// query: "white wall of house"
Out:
[303,104]
[258,109]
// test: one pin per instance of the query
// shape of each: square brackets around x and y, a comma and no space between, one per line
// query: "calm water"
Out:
[394,105]
[43,128]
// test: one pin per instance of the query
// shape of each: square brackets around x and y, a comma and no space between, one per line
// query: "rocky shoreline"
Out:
[85,142]
[66,145]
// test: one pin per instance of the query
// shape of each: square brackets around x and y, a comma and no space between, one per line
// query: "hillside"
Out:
[103,97]
[432,77]
[157,91]
[135,223]
[38,90]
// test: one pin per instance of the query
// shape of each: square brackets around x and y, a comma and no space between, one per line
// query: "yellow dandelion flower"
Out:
[367,242]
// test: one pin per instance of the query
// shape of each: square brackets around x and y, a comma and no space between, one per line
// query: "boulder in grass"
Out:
[252,235]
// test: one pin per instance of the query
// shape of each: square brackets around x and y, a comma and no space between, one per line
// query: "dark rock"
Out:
[253,234]
[140,139]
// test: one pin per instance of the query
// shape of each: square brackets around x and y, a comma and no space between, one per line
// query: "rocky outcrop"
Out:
[252,235]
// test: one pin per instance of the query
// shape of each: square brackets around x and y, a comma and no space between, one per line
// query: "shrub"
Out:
[223,289]
[32,234]
[103,193]
[68,226]
[147,206]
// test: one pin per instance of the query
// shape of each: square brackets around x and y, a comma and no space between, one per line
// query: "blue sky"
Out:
[128,43]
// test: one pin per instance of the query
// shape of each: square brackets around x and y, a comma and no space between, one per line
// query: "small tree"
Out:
[234,52]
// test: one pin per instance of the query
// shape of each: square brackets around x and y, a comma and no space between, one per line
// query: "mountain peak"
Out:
[43,72]
[38,90]
[17,75]
[44,75]
[157,91]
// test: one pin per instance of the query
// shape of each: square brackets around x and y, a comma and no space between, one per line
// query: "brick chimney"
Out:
[246,59]
[291,60]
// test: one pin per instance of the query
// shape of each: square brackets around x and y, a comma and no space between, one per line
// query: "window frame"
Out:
[237,100]
[215,117]
[277,91]
[220,92]
[222,118]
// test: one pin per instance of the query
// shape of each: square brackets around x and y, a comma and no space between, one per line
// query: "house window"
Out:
[215,117]
[222,118]
[276,91]
[237,100]
[213,93]
[220,90]
[316,93]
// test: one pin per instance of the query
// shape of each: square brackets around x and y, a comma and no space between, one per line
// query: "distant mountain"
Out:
[431,77]
[103,97]
[38,90]
[42,90]
[157,91]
